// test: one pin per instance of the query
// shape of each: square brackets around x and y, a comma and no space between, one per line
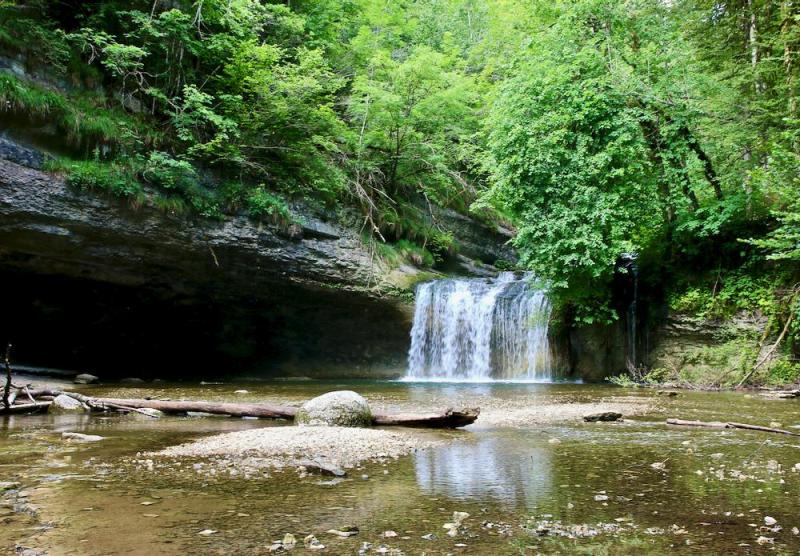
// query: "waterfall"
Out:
[632,314]
[480,329]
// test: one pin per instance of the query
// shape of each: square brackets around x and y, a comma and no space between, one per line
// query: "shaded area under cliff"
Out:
[117,330]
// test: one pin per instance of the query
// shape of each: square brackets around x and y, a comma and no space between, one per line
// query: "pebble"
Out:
[207,532]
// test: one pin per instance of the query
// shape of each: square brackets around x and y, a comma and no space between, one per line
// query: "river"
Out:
[528,462]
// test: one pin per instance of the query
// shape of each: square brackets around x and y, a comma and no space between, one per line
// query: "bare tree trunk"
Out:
[7,387]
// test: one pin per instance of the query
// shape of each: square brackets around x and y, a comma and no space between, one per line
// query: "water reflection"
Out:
[515,474]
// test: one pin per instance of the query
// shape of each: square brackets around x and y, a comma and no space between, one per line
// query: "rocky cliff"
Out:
[92,283]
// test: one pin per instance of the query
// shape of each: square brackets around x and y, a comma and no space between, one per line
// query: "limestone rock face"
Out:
[342,408]
[65,404]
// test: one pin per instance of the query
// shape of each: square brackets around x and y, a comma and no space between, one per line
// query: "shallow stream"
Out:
[516,472]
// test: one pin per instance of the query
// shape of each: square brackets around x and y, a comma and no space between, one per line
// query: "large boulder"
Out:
[342,408]
[66,404]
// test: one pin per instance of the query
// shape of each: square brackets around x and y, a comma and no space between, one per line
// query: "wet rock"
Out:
[659,465]
[668,393]
[458,519]
[131,380]
[64,404]
[343,408]
[289,541]
[389,534]
[241,391]
[81,437]
[207,532]
[603,416]
[770,521]
[312,543]
[85,378]
[322,468]
[554,441]
[349,531]
[8,485]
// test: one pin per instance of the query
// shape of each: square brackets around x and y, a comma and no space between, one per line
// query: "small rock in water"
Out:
[554,441]
[345,532]
[600,498]
[207,532]
[81,437]
[765,540]
[603,416]
[795,531]
[241,391]
[389,534]
[85,378]
[289,541]
[668,393]
[321,468]
[131,380]
[775,424]
[429,537]
[659,465]
[312,543]
[770,521]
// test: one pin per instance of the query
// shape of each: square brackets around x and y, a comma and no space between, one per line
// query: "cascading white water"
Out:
[480,329]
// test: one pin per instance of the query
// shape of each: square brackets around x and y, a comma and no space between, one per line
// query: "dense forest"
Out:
[595,128]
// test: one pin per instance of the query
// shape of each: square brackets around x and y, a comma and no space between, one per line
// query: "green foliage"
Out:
[595,128]
[723,294]
[115,178]
[263,204]
[783,372]
[83,120]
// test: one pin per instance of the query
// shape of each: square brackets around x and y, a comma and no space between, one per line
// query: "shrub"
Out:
[263,204]
[115,178]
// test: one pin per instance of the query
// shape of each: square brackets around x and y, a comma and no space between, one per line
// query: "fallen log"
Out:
[447,419]
[25,408]
[728,425]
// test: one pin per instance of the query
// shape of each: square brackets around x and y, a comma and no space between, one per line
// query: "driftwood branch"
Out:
[728,425]
[25,408]
[447,419]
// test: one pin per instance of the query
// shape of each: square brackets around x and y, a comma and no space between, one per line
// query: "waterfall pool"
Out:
[532,475]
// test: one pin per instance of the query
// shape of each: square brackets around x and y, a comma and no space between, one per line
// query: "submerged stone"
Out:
[81,437]
[604,416]
[342,408]
[85,378]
